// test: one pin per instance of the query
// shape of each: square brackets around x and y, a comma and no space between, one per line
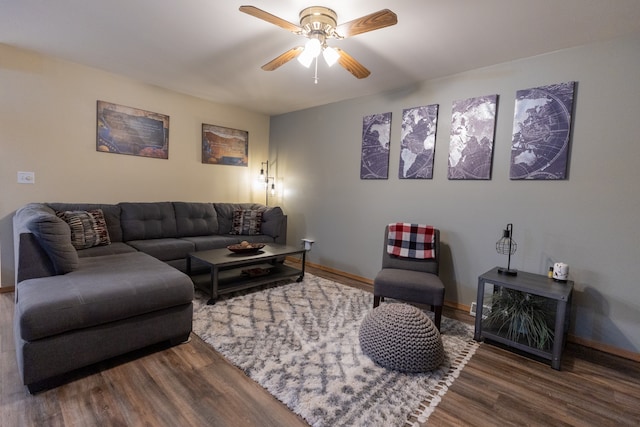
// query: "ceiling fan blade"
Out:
[351,65]
[283,59]
[272,19]
[374,21]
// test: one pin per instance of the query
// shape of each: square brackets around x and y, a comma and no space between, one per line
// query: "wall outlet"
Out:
[26,178]
[485,309]
[472,309]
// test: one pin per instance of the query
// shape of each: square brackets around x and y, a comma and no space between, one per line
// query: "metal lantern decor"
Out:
[507,246]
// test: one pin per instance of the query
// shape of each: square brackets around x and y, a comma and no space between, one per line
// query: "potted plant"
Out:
[520,317]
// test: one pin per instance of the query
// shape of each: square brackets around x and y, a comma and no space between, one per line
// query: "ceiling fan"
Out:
[318,24]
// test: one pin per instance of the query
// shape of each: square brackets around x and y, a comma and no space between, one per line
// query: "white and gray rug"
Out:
[300,342]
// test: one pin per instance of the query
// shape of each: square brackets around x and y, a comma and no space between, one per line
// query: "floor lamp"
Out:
[266,179]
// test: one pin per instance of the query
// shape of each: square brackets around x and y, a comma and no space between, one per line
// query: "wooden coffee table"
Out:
[231,272]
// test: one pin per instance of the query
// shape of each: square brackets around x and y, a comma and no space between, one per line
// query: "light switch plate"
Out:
[26,178]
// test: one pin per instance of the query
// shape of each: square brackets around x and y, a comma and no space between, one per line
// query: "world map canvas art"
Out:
[132,131]
[541,132]
[472,134]
[224,146]
[376,130]
[418,142]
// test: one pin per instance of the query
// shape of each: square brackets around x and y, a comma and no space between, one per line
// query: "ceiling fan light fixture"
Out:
[330,55]
[305,59]
[311,51]
[313,46]
[319,24]
[318,18]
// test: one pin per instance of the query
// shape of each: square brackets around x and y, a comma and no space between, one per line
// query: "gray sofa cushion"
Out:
[195,219]
[112,249]
[142,221]
[204,243]
[164,249]
[104,289]
[271,221]
[111,215]
[53,234]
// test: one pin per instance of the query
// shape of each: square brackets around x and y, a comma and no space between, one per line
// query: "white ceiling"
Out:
[209,49]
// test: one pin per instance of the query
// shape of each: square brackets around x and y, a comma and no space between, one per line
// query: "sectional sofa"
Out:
[94,281]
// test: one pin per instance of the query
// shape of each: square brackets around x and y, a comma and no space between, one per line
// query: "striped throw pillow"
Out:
[88,228]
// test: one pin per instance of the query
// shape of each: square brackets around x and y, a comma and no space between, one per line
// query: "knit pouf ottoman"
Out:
[401,337]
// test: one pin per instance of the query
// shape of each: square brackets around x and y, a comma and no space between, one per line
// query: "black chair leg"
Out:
[376,301]
[437,310]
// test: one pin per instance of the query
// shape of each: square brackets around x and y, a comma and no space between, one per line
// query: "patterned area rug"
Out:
[300,342]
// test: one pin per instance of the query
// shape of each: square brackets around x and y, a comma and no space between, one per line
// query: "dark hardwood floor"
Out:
[192,385]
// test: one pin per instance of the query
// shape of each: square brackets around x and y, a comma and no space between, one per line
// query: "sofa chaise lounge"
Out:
[94,281]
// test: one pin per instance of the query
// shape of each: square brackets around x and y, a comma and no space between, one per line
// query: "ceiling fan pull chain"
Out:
[315,77]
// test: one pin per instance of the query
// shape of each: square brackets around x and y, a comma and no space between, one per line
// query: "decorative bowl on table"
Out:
[246,248]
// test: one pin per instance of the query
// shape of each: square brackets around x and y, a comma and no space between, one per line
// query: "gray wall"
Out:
[589,221]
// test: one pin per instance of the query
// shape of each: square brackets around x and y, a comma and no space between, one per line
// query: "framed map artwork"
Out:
[541,131]
[224,146]
[418,140]
[376,131]
[126,130]
[473,123]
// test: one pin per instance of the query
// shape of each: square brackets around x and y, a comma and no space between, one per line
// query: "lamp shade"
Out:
[330,55]
[311,50]
[507,246]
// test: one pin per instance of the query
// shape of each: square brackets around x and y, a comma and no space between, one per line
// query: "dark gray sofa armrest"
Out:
[282,235]
[49,250]
[32,261]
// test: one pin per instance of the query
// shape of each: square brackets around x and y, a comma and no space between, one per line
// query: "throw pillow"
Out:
[88,228]
[246,221]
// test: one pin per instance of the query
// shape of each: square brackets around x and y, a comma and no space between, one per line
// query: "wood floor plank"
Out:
[192,385]
[531,393]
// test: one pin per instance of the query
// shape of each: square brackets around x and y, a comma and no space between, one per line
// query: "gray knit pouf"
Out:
[401,337]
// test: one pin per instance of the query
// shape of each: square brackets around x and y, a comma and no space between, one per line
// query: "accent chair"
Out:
[411,279]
